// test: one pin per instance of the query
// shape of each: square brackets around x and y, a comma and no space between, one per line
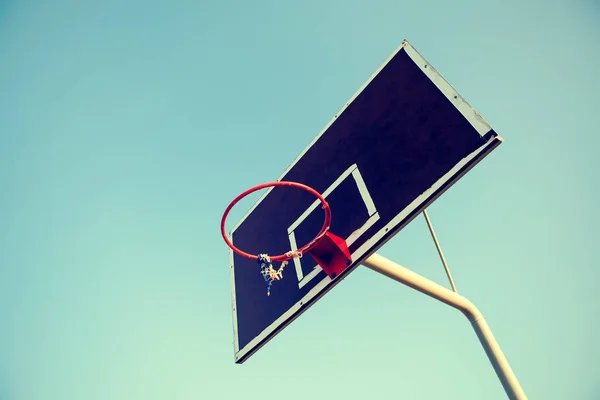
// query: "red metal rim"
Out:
[282,257]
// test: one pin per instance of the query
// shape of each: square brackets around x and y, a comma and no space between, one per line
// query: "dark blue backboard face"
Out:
[394,148]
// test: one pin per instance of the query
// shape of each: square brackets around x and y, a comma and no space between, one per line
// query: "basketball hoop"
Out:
[290,254]
[328,250]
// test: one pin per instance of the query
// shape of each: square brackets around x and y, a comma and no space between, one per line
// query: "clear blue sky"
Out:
[127,127]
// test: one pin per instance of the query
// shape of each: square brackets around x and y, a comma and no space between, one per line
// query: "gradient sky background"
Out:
[127,127]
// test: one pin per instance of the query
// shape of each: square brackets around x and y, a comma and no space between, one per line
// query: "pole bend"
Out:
[484,333]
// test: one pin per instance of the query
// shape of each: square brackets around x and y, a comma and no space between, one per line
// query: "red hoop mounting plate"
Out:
[329,251]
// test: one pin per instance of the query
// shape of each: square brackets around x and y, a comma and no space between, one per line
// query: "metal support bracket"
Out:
[332,254]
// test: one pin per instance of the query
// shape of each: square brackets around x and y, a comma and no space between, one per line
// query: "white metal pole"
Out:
[490,345]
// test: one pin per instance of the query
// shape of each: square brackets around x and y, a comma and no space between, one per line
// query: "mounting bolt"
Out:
[347,262]
[332,275]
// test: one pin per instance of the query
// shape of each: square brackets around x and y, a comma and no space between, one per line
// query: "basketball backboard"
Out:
[403,139]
